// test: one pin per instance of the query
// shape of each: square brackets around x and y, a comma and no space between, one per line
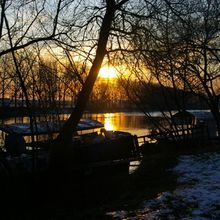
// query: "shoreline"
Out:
[90,197]
[95,197]
[8,112]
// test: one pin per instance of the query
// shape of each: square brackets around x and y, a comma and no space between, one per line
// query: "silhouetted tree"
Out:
[178,47]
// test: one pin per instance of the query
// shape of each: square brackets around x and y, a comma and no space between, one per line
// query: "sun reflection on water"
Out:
[109,122]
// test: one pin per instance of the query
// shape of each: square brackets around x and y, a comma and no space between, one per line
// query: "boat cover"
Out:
[47,127]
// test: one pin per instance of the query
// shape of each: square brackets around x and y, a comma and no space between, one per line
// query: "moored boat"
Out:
[92,147]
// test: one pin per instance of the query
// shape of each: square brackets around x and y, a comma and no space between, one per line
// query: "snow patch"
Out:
[197,195]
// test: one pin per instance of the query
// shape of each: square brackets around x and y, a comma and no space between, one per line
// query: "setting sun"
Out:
[108,72]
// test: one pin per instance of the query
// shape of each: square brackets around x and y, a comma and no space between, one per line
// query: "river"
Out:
[134,122]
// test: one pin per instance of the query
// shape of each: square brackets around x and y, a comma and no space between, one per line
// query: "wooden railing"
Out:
[184,133]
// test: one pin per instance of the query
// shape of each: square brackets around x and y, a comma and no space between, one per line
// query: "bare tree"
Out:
[178,48]
[197,49]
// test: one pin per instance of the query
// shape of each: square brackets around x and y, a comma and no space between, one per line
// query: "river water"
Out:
[134,122]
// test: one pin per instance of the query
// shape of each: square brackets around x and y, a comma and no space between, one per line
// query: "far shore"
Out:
[9,112]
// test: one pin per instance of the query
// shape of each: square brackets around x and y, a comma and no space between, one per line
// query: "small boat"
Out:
[93,146]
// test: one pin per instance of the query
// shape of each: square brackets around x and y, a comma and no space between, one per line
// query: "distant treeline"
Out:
[153,99]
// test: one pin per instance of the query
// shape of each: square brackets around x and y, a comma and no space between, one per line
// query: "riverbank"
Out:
[196,194]
[95,197]
[88,197]
[8,111]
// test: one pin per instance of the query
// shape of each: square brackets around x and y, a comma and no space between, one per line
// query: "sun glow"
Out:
[109,122]
[108,72]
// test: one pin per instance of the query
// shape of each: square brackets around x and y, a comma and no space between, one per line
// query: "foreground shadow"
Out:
[86,197]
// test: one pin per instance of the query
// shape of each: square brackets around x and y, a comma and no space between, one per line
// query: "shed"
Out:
[183,117]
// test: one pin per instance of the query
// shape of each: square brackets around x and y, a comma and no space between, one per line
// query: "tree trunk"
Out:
[60,151]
